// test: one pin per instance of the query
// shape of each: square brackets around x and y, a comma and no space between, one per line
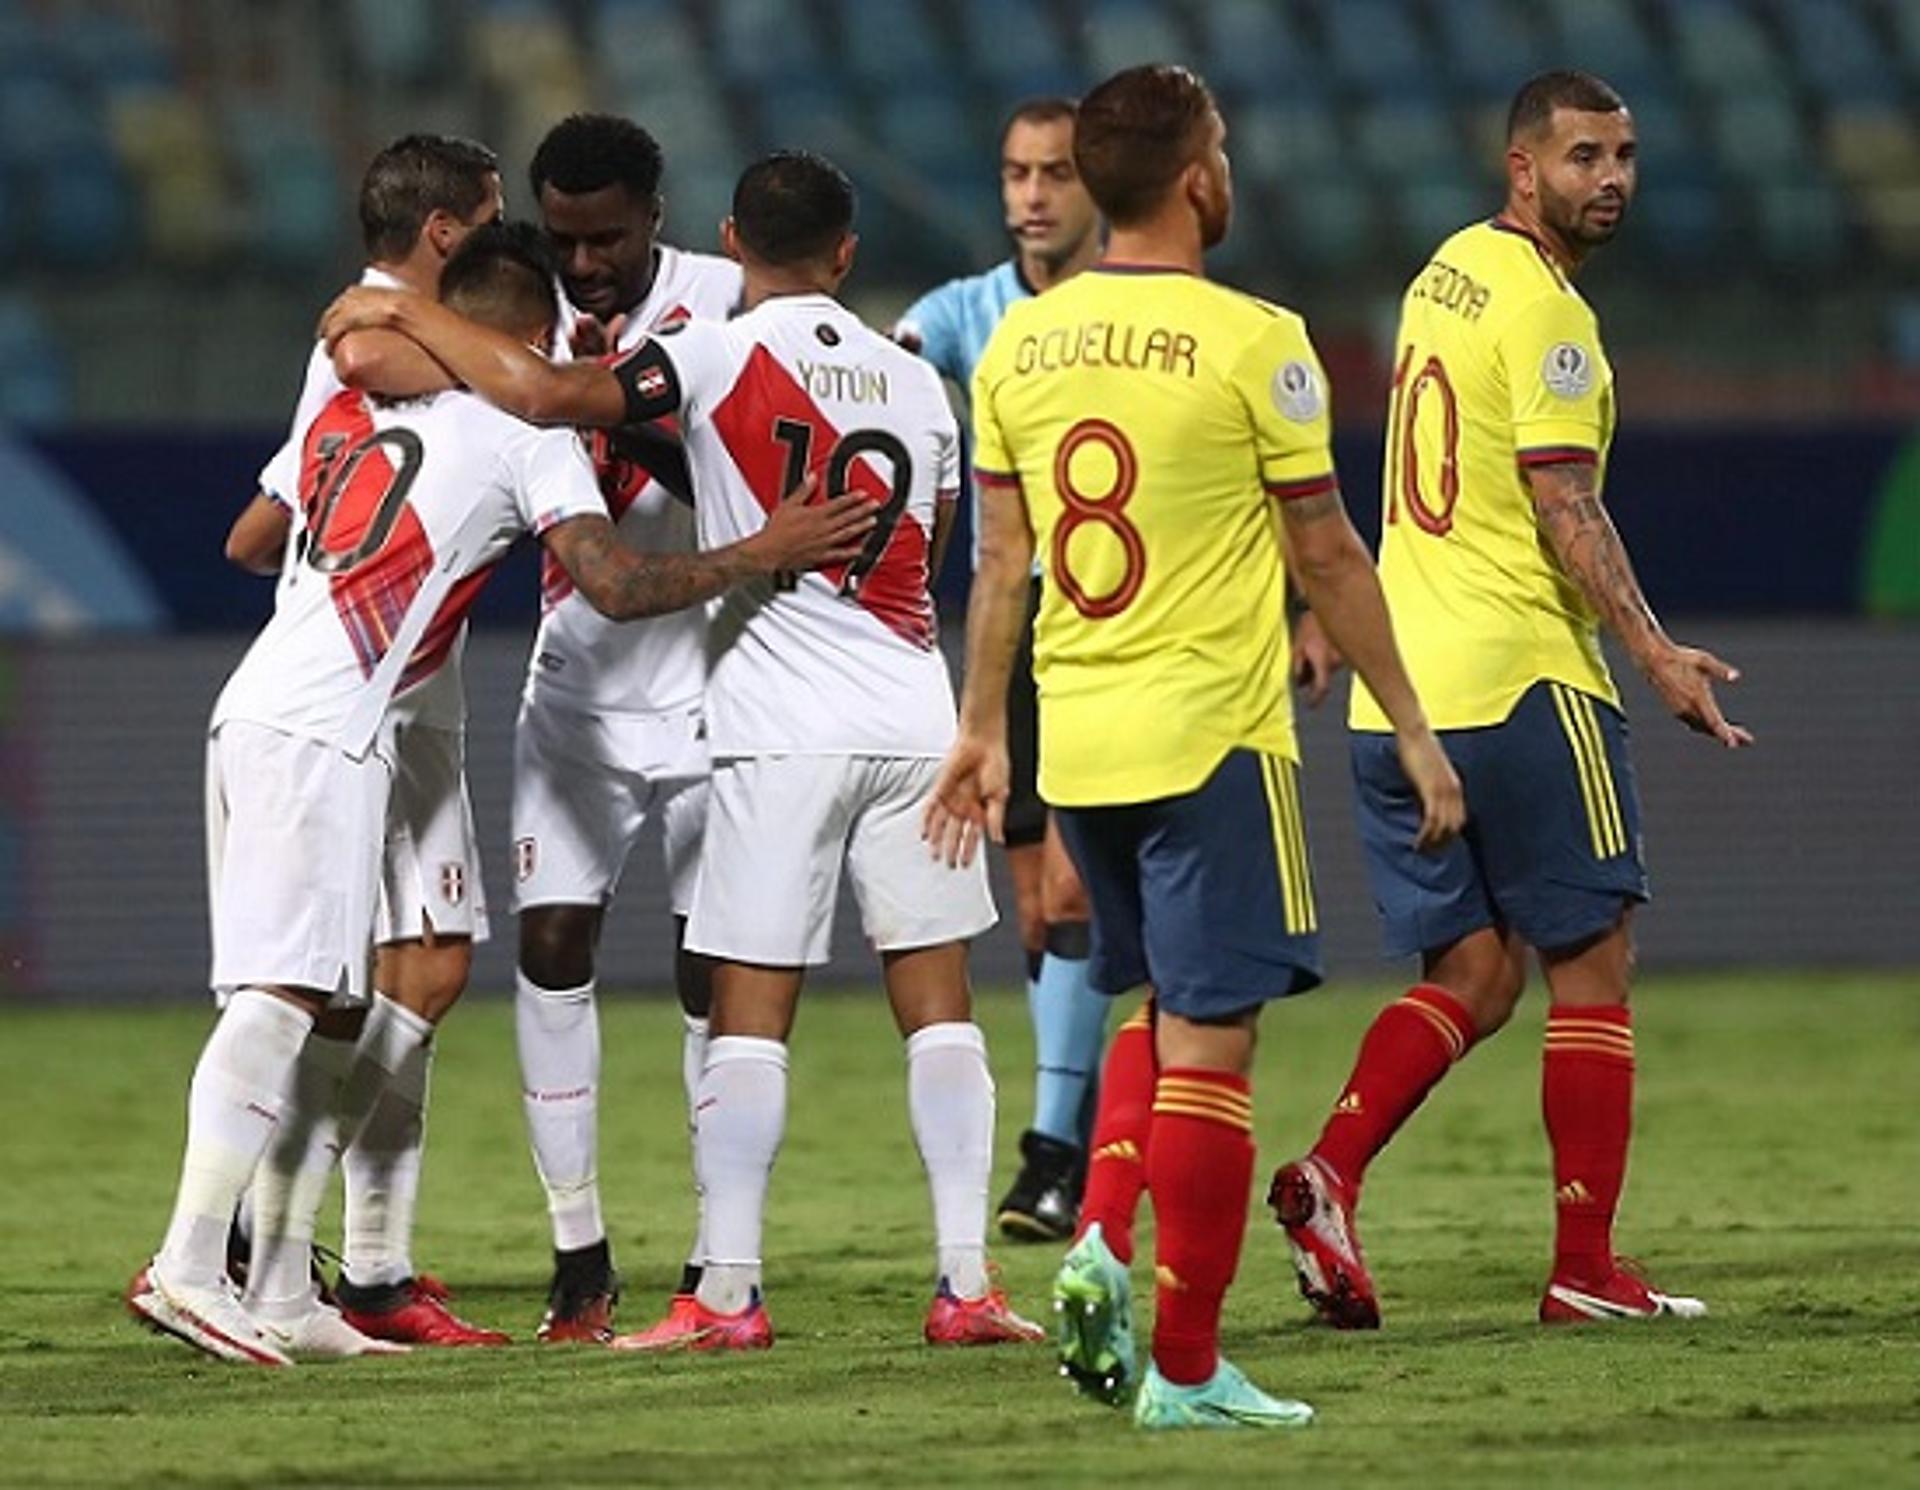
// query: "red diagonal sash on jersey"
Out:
[372,596]
[894,590]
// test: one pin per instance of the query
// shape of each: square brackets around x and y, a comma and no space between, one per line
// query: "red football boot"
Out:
[1313,1207]
[691,1325]
[1624,1295]
[406,1313]
[987,1320]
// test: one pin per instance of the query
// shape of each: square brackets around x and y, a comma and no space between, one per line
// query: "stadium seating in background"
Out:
[33,371]
[1130,32]
[172,151]
[396,41]
[1835,52]
[291,186]
[1017,49]
[1251,51]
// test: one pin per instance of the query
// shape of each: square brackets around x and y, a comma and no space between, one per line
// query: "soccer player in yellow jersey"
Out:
[1162,443]
[1499,564]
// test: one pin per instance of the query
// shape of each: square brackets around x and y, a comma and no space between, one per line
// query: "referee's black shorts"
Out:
[1026,820]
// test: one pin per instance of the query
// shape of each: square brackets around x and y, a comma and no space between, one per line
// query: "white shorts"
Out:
[780,827]
[430,873]
[584,786]
[294,828]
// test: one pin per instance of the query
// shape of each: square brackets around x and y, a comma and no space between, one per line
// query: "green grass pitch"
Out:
[1776,1172]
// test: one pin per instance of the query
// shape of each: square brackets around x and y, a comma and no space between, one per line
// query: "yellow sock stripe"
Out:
[1282,849]
[1590,1032]
[1603,769]
[1589,790]
[1202,1091]
[1611,1052]
[1290,773]
[1590,1039]
[1559,1021]
[1456,1047]
[1239,1121]
[1232,1111]
[1624,1041]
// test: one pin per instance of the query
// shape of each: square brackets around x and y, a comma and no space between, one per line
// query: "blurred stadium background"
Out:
[176,186]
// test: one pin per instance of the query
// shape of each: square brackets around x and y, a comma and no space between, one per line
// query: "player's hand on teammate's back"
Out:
[802,534]
[1443,801]
[969,798]
[1684,678]
[1315,659]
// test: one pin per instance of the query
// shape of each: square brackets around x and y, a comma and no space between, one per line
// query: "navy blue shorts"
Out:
[1206,896]
[1552,843]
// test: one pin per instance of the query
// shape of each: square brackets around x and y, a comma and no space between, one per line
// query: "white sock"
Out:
[740,1116]
[558,1031]
[382,1168]
[950,1098]
[291,1181]
[390,1040]
[240,1086]
[693,1061]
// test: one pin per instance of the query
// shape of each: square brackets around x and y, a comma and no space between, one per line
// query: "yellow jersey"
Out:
[1498,365]
[1151,418]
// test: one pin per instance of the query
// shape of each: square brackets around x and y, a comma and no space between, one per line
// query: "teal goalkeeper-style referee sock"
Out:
[1069,1030]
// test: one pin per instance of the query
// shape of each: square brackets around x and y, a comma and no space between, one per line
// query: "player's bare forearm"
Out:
[625,585]
[1336,575]
[257,541]
[502,370]
[996,609]
[1566,498]
[389,364]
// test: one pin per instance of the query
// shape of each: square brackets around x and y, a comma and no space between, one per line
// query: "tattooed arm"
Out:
[1582,535]
[624,584]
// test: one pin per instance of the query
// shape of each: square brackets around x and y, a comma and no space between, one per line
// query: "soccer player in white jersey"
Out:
[828,705]
[610,730]
[406,506]
[419,199]
[1056,233]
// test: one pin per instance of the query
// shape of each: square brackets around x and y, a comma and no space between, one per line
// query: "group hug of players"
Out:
[743,493]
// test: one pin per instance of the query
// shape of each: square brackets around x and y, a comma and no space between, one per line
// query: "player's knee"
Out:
[1489,988]
[1063,898]
[556,945]
[429,977]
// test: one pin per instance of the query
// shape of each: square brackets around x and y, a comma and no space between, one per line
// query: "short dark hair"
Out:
[1043,110]
[502,274]
[413,178]
[1563,88]
[590,152]
[792,207]
[1136,133]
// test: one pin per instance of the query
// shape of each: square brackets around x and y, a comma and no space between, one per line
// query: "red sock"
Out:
[1199,1164]
[1406,1050]
[1117,1167]
[1586,1095]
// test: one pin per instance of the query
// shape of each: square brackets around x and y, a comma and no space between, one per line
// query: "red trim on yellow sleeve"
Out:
[995,478]
[1308,486]
[1558,455]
